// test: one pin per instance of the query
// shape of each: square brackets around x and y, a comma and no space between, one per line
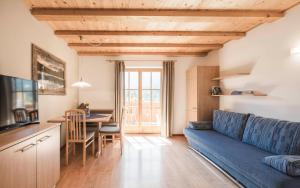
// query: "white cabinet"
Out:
[32,163]
[18,165]
[48,158]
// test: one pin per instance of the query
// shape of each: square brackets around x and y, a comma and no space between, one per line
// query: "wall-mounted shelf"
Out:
[254,95]
[230,76]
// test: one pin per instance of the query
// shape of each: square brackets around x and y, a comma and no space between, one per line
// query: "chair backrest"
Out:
[75,125]
[20,115]
[34,115]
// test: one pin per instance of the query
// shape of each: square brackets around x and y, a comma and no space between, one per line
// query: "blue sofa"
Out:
[237,143]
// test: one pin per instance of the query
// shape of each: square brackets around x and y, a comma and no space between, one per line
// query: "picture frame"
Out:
[49,71]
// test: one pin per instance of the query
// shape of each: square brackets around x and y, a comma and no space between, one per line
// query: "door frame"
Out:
[140,128]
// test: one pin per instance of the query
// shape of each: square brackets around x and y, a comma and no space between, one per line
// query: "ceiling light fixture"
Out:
[81,84]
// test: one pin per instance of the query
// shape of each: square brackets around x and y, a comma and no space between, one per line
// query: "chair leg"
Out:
[104,140]
[84,153]
[121,143]
[100,143]
[67,153]
[93,148]
[74,149]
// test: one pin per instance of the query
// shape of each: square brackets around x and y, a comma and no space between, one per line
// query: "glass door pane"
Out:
[146,98]
[132,98]
[150,99]
[156,110]
[156,98]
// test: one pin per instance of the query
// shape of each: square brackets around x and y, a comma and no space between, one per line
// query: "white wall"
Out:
[274,71]
[18,30]
[101,75]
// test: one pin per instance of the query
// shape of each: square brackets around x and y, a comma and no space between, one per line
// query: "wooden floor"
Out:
[147,162]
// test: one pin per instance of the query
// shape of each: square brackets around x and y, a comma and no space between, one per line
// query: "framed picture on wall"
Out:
[49,71]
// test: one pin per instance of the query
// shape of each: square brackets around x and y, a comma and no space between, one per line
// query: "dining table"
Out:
[93,120]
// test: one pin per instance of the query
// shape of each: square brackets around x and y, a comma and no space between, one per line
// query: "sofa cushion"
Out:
[242,161]
[229,123]
[200,125]
[275,136]
[288,164]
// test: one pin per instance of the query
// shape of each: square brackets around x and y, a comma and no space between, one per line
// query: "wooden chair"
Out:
[111,123]
[33,115]
[76,133]
[113,131]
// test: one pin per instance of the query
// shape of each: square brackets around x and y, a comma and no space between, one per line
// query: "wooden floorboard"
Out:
[148,161]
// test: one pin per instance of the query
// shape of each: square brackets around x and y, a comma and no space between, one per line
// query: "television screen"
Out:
[18,102]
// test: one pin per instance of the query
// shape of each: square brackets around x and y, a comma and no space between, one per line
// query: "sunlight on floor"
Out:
[147,161]
[142,142]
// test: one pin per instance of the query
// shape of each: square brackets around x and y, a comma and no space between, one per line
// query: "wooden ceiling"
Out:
[154,27]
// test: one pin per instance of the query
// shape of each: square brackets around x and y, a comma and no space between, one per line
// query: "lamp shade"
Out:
[81,84]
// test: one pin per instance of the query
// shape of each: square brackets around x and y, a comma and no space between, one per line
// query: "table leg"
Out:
[99,144]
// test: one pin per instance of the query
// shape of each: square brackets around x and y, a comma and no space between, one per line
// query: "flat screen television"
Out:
[18,102]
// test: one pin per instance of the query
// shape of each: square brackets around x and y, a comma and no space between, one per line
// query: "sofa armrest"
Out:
[200,125]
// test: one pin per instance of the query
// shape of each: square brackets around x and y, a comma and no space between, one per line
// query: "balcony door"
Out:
[143,100]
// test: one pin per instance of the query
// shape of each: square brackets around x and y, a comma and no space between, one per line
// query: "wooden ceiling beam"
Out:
[149,33]
[99,53]
[50,14]
[214,46]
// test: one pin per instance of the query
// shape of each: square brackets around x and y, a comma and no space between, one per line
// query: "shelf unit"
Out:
[230,76]
[253,95]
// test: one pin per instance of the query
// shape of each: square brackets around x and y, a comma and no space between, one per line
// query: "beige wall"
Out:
[266,51]
[100,74]
[18,30]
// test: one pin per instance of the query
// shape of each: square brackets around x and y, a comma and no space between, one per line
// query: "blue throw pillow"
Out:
[288,164]
[200,125]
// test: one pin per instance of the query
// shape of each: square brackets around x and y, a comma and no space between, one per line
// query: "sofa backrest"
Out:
[272,135]
[231,124]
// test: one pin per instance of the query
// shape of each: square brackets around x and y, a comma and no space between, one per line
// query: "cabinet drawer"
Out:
[48,158]
[18,165]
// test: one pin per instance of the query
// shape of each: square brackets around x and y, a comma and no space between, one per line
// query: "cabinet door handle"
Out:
[25,148]
[43,139]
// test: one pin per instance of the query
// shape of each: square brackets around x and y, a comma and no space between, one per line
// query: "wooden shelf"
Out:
[253,95]
[230,76]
